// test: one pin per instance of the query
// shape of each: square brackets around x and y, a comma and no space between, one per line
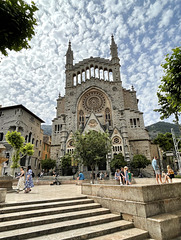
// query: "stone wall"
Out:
[150,207]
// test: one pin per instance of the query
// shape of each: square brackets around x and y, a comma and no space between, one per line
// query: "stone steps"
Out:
[165,226]
[44,212]
[72,219]
[36,206]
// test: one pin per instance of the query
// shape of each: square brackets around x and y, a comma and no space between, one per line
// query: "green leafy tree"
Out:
[17,24]
[66,164]
[117,162]
[91,148]
[20,149]
[140,161]
[165,141]
[48,163]
[169,92]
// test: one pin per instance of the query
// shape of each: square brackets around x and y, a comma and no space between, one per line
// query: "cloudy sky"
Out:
[144,30]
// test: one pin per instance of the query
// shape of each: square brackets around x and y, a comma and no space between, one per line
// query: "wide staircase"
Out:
[68,219]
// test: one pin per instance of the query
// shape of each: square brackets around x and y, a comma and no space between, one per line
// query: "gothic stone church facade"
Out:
[96,100]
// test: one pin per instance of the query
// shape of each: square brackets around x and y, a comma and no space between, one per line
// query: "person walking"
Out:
[157,170]
[29,181]
[21,181]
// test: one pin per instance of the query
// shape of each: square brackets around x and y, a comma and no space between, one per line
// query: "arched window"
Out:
[106,74]
[74,80]
[108,116]
[79,77]
[29,138]
[101,73]
[92,71]
[96,72]
[110,76]
[83,75]
[88,73]
[81,118]
[117,144]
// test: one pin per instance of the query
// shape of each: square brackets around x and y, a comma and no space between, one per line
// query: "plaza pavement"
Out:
[44,192]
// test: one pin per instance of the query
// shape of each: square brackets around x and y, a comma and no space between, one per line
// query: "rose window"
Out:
[94,101]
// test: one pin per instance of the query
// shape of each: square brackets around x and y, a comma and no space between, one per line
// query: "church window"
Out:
[79,77]
[110,75]
[131,123]
[36,143]
[116,140]
[138,122]
[26,138]
[92,71]
[74,80]
[108,116]
[88,73]
[101,73]
[83,75]
[33,141]
[81,118]
[134,120]
[96,72]
[55,128]
[1,136]
[29,139]
[106,77]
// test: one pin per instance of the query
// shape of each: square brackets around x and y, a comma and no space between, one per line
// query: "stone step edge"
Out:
[11,225]
[54,228]
[128,234]
[49,211]
[91,232]
[166,216]
[40,201]
[45,206]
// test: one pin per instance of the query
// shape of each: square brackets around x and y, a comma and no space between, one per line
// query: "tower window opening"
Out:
[96,72]
[108,116]
[138,122]
[79,77]
[131,123]
[74,80]
[81,118]
[106,77]
[110,76]
[83,76]
[101,73]
[88,73]
[92,71]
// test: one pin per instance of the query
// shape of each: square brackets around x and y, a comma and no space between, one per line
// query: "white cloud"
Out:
[166,18]
[145,31]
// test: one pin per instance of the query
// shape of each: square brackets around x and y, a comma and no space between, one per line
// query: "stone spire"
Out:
[69,57]
[113,47]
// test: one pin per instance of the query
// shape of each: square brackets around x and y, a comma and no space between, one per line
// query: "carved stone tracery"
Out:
[93,101]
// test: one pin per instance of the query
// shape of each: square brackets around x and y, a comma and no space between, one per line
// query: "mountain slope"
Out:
[162,127]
